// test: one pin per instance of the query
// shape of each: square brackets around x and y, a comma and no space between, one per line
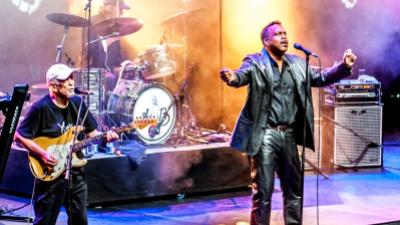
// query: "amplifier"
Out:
[349,92]
[358,136]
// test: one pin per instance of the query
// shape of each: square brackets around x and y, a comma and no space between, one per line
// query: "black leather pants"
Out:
[278,153]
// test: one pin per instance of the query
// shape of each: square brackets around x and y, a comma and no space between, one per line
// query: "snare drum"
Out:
[138,100]
[158,62]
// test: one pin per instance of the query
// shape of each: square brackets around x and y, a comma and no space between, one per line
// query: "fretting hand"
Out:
[111,136]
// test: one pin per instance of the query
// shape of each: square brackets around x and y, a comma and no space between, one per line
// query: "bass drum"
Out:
[133,100]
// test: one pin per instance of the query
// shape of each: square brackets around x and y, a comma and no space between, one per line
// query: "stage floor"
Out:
[365,196]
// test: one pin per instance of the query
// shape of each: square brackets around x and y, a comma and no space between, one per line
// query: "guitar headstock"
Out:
[140,123]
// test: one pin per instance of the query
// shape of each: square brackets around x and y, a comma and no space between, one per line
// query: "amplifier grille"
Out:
[358,131]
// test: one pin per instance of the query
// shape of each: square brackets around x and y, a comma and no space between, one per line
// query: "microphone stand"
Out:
[88,7]
[303,150]
[69,155]
[68,163]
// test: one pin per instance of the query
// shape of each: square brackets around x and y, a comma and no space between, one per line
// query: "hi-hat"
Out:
[123,26]
[180,14]
[67,20]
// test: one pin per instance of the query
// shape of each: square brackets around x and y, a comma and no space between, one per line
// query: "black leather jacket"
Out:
[256,72]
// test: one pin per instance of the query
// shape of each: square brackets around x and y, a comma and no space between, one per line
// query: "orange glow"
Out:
[242,23]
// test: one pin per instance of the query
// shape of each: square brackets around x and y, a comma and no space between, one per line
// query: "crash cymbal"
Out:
[123,26]
[180,14]
[67,20]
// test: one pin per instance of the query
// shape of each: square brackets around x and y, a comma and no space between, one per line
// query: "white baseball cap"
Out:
[59,71]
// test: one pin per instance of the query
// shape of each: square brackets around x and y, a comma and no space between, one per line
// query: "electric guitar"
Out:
[60,146]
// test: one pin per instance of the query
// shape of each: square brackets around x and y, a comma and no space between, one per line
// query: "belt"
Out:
[282,128]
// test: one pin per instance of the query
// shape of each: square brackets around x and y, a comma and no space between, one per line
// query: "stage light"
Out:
[349,4]
[27,7]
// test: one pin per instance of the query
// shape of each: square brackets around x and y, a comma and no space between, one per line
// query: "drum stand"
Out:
[60,47]
[186,121]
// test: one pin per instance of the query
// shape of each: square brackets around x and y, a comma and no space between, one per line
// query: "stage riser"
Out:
[165,173]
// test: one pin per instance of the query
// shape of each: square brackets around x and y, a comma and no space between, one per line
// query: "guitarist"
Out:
[51,116]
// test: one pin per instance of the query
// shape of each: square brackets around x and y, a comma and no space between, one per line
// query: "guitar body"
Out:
[59,148]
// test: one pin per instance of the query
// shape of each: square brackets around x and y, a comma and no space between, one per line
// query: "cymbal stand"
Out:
[88,9]
[186,120]
[60,47]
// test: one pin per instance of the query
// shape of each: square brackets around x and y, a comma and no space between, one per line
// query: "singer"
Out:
[270,125]
[50,117]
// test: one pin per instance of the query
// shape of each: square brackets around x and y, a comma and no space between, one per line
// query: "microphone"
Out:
[81,91]
[306,51]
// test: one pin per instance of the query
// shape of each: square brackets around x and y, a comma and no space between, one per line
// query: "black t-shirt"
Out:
[45,118]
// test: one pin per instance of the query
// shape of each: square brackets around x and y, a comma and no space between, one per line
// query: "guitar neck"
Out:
[98,138]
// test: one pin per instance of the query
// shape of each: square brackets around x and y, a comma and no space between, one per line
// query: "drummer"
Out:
[111,47]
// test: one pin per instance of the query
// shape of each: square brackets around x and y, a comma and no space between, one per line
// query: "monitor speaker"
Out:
[358,136]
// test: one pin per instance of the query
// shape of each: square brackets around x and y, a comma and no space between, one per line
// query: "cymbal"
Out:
[123,26]
[180,14]
[67,19]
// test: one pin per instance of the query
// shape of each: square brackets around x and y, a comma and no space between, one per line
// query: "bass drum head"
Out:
[148,101]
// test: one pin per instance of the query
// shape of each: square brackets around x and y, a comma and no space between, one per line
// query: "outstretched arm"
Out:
[335,73]
[239,77]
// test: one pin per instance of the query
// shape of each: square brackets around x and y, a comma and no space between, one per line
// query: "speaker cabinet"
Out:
[358,136]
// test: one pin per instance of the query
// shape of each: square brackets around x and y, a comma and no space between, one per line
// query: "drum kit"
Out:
[138,92]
